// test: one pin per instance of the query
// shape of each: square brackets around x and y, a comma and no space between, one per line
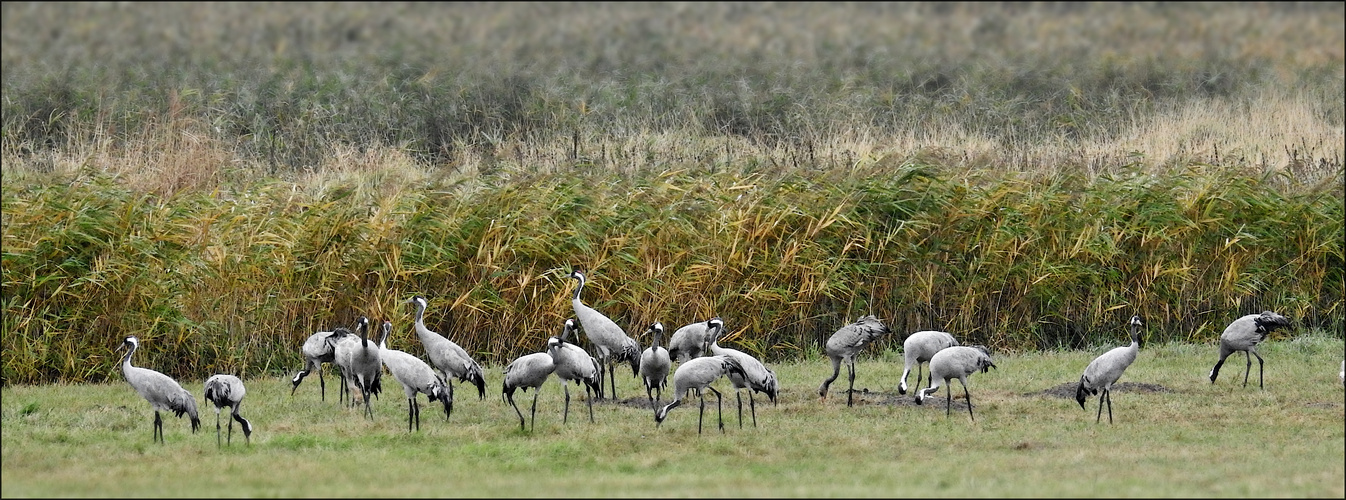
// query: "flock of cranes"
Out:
[701,361]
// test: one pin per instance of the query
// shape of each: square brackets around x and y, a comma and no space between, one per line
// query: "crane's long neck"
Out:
[126,359]
[421,330]
[1135,337]
[580,288]
[658,337]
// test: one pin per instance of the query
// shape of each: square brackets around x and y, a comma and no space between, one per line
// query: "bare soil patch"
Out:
[1067,390]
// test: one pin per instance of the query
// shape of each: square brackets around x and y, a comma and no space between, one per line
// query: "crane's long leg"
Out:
[752,403]
[1099,418]
[322,384]
[850,391]
[702,413]
[1249,368]
[411,409]
[738,394]
[1259,368]
[1107,393]
[230,439]
[968,396]
[948,401]
[532,414]
[719,407]
[217,427]
[612,374]
[566,416]
[510,398]
[590,399]
[158,427]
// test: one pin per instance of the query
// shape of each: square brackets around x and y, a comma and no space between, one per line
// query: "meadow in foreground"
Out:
[1176,434]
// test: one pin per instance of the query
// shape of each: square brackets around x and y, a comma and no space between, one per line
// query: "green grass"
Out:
[1192,438]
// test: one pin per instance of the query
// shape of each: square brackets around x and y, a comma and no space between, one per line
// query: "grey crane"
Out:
[227,390]
[610,340]
[1104,371]
[845,344]
[162,392]
[361,365]
[698,374]
[317,349]
[529,371]
[1243,335]
[446,355]
[416,377]
[690,341]
[919,348]
[754,375]
[955,362]
[1342,374]
[654,365]
[573,363]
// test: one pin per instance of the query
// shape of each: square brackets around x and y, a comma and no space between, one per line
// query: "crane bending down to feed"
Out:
[317,349]
[1243,335]
[919,348]
[755,375]
[612,343]
[654,364]
[227,390]
[845,344]
[698,374]
[416,377]
[955,362]
[572,362]
[529,371]
[1104,371]
[446,355]
[162,392]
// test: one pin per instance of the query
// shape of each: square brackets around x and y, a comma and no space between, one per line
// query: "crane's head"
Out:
[130,343]
[576,273]
[568,328]
[1081,392]
[418,300]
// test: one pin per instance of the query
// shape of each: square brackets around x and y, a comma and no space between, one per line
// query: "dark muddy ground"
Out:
[1067,390]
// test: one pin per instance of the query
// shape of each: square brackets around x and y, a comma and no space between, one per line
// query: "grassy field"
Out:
[1175,435]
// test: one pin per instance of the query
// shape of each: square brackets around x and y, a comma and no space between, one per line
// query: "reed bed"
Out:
[1024,175]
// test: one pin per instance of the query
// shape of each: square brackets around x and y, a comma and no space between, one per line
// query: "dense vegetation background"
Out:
[222,180]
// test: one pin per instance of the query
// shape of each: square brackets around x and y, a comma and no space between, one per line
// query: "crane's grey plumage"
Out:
[416,377]
[955,362]
[572,363]
[845,344]
[162,392]
[698,374]
[360,363]
[654,365]
[529,371]
[1104,371]
[752,374]
[610,340]
[318,349]
[446,355]
[919,348]
[690,341]
[227,390]
[1243,335]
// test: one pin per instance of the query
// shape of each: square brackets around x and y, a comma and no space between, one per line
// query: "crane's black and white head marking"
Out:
[131,341]
[1081,392]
